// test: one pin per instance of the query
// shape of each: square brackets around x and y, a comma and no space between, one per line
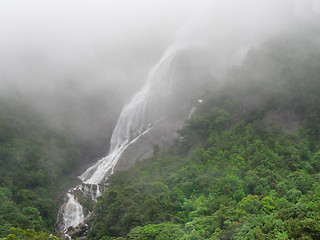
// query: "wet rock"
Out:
[60,222]
[161,135]
[78,233]
[83,225]
[71,229]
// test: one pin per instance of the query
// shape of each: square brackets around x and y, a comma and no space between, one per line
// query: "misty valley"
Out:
[156,120]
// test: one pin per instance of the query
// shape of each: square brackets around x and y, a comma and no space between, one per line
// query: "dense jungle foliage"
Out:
[246,165]
[35,161]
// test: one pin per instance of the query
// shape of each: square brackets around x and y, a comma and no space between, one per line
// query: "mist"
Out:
[80,62]
[104,42]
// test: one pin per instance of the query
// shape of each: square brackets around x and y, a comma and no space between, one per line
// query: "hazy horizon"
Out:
[66,57]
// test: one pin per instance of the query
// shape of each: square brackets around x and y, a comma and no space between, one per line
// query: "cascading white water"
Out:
[136,118]
[144,111]
[73,214]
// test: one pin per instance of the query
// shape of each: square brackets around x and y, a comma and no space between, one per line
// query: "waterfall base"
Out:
[77,209]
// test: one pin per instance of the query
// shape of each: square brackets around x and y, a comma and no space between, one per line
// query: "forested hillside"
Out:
[246,165]
[35,163]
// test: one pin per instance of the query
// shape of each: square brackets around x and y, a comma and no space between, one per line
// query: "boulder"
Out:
[78,233]
[83,225]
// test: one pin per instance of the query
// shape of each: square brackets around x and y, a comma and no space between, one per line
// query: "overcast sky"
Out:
[80,61]
[111,42]
[104,41]
[57,51]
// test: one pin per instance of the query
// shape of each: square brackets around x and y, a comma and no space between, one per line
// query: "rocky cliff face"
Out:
[150,120]
[188,85]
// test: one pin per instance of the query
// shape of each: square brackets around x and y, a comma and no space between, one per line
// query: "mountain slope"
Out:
[246,165]
[35,162]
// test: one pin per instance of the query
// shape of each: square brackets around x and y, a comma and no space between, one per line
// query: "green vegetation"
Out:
[246,165]
[35,160]
[30,234]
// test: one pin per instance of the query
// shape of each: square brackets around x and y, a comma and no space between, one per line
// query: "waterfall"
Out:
[74,212]
[71,213]
[136,119]
[147,107]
